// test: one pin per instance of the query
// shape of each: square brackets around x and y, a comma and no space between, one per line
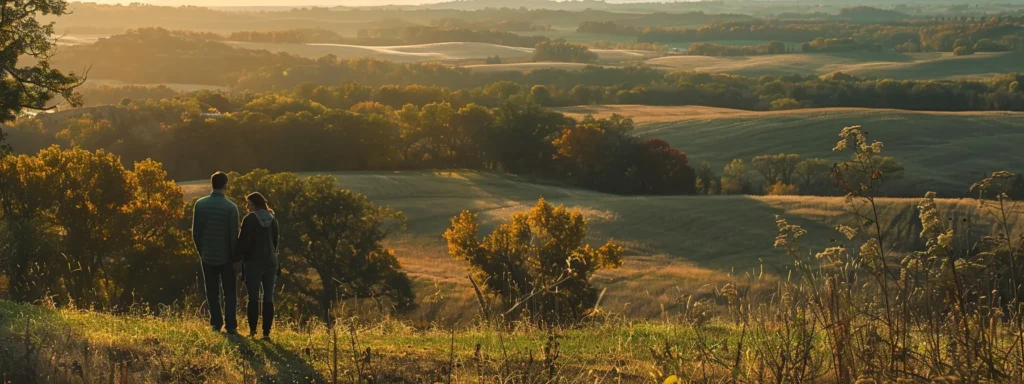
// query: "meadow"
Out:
[942,151]
[675,245]
[882,64]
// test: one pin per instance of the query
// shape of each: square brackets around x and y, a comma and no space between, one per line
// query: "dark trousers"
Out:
[257,277]
[215,278]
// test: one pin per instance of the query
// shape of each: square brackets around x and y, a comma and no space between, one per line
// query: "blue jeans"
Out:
[260,278]
[215,277]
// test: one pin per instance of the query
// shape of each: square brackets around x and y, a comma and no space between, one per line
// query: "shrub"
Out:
[537,264]
[782,189]
[784,104]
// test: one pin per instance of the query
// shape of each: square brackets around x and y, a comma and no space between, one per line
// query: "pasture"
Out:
[942,151]
[894,65]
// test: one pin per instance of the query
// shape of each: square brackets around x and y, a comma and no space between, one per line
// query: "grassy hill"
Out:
[942,151]
[73,346]
[904,66]
[674,244]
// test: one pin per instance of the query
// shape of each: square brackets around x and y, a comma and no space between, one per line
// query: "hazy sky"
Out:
[259,3]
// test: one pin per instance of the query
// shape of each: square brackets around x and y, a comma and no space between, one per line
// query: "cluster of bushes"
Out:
[563,52]
[709,49]
[929,35]
[787,174]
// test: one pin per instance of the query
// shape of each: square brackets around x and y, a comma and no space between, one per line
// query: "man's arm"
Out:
[233,230]
[197,228]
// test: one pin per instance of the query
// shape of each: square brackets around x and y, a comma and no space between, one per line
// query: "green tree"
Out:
[541,95]
[22,36]
[335,234]
[707,182]
[734,178]
[537,264]
[813,175]
[776,168]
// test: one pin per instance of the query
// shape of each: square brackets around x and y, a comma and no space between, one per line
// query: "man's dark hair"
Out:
[219,180]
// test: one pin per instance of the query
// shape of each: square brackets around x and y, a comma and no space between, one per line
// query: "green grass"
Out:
[942,152]
[180,348]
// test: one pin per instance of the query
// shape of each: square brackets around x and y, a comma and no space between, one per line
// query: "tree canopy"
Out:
[33,84]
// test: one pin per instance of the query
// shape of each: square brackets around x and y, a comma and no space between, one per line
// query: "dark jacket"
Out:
[214,228]
[258,241]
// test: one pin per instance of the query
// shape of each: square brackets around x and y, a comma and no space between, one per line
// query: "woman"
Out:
[257,243]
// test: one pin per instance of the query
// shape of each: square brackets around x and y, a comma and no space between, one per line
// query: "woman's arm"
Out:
[275,233]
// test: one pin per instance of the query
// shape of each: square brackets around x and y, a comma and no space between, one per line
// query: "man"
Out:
[215,234]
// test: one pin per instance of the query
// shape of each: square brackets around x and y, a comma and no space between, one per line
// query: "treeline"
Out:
[294,133]
[928,35]
[567,88]
[155,56]
[513,25]
[563,52]
[653,47]
[708,49]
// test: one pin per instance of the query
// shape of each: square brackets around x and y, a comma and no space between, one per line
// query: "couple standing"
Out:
[224,249]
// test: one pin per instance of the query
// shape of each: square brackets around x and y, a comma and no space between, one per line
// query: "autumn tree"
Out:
[537,264]
[662,170]
[335,234]
[85,228]
[33,83]
[5,147]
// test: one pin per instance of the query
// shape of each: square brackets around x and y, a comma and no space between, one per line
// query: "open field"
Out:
[942,151]
[675,245]
[881,64]
[427,52]
[404,53]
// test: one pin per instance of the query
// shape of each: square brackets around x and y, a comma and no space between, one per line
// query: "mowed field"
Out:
[942,151]
[457,51]
[882,64]
[675,245]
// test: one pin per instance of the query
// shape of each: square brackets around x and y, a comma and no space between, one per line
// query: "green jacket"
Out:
[215,228]
[258,241]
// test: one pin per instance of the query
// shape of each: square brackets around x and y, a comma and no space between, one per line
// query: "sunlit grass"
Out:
[675,245]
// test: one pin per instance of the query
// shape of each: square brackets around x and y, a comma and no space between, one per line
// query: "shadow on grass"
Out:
[269,362]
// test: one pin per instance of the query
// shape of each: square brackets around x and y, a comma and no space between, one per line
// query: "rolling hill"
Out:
[426,52]
[883,64]
[674,244]
[942,151]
